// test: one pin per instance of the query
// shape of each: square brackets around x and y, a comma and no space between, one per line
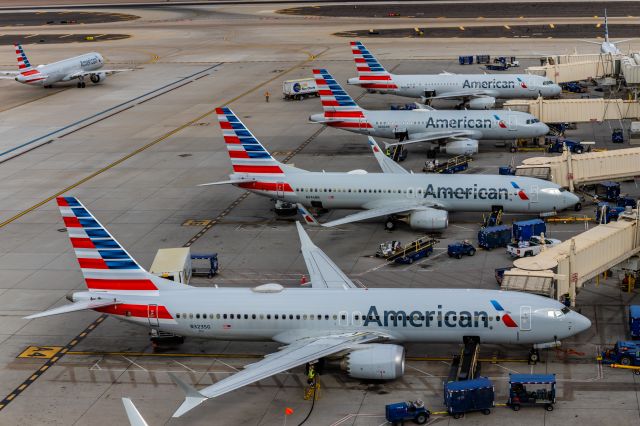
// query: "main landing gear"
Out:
[81,84]
[534,356]
[390,223]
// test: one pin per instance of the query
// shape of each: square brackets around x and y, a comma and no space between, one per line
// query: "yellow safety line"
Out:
[152,143]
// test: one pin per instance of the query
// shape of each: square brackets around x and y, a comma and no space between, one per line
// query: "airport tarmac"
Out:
[134,150]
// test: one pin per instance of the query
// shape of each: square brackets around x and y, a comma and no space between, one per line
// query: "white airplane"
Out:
[422,200]
[364,327]
[476,91]
[77,68]
[608,46]
[458,131]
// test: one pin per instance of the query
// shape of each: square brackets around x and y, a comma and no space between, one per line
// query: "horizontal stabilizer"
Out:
[76,306]
[229,182]
[308,217]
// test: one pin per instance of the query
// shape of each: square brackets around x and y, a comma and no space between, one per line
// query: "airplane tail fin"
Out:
[371,73]
[340,110]
[23,61]
[105,265]
[606,27]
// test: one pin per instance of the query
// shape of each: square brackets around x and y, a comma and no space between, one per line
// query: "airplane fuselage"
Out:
[54,72]
[515,194]
[505,86]
[405,315]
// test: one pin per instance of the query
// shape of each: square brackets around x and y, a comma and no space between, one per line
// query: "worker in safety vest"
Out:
[311,374]
[266,96]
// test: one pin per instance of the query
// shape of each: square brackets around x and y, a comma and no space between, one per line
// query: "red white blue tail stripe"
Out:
[340,110]
[23,62]
[371,73]
[104,263]
[27,74]
[245,151]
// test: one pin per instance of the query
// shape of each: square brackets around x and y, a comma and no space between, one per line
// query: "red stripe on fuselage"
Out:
[266,186]
[375,77]
[116,284]
[242,168]
[343,114]
[138,311]
[354,125]
[378,86]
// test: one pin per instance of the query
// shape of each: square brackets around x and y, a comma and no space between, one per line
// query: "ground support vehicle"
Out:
[453,165]
[469,395]
[606,213]
[388,248]
[507,170]
[543,395]
[205,265]
[299,89]
[617,136]
[494,236]
[556,144]
[460,248]
[398,413]
[530,247]
[625,353]
[415,250]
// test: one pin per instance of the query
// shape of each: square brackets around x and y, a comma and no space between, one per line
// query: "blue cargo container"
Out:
[525,229]
[494,236]
[608,190]
[469,395]
[465,60]
[634,321]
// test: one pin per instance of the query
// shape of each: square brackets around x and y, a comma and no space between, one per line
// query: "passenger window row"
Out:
[376,191]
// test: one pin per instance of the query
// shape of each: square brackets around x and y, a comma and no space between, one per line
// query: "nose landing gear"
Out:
[81,84]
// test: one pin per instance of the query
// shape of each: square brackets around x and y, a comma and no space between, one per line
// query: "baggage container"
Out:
[465,60]
[494,236]
[469,395]
[634,321]
[173,264]
[525,229]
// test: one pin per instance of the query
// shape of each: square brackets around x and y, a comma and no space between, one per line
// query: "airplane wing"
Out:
[76,306]
[464,94]
[386,164]
[7,77]
[377,212]
[323,273]
[90,73]
[622,41]
[432,136]
[297,353]
[591,42]
[134,416]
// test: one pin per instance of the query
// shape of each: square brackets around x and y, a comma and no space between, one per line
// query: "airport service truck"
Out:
[173,264]
[299,89]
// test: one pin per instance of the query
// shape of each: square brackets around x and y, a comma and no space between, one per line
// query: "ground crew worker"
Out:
[266,96]
[311,374]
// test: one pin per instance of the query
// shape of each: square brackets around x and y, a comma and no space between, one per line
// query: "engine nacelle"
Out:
[98,77]
[429,220]
[483,102]
[462,147]
[375,361]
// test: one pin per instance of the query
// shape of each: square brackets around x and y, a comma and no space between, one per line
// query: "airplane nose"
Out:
[557,90]
[571,199]
[582,323]
[544,129]
[316,118]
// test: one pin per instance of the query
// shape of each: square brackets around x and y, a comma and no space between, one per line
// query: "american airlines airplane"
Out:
[421,200]
[476,91]
[78,68]
[608,46]
[458,131]
[364,328]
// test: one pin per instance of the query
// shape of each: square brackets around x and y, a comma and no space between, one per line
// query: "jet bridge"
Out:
[576,110]
[577,260]
[566,68]
[573,170]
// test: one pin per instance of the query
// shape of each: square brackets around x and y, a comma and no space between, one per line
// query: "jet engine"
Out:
[461,147]
[429,220]
[483,102]
[98,77]
[375,361]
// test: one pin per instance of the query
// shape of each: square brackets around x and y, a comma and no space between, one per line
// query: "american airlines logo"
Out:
[90,61]
[438,318]
[474,193]
[459,123]
[489,84]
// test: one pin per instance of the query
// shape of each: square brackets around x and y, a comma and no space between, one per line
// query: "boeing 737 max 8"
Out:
[476,91]
[422,200]
[77,68]
[459,131]
[334,318]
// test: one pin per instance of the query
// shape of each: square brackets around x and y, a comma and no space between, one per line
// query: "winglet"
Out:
[193,397]
[135,418]
[386,164]
[308,217]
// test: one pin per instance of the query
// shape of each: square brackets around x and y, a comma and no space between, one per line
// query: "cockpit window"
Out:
[562,189]
[554,313]
[547,82]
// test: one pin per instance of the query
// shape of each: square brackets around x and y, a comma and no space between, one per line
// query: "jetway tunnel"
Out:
[563,269]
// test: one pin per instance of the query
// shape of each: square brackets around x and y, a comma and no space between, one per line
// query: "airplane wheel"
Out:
[486,411]
[79,85]
[577,207]
[534,356]
[390,225]
[458,256]
[83,84]
[516,407]
[472,252]
[548,407]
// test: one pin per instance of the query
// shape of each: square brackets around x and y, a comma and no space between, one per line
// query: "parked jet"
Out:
[365,328]
[458,131]
[421,200]
[476,91]
[77,68]
[608,46]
